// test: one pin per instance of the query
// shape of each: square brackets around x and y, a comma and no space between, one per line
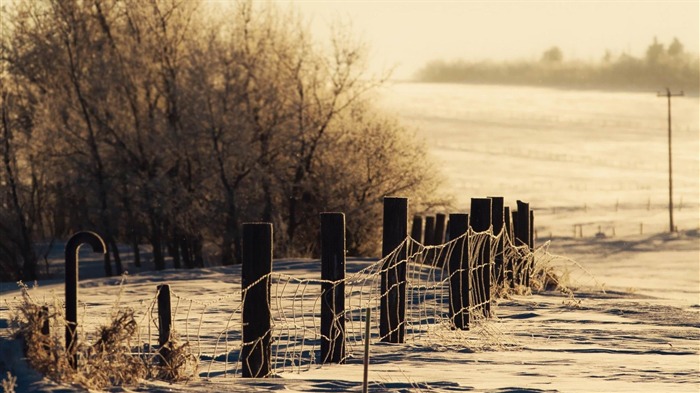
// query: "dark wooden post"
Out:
[429,233]
[480,218]
[71,255]
[532,231]
[44,313]
[515,263]
[393,281]
[531,242]
[428,240]
[508,260]
[497,219]
[257,266]
[522,238]
[164,322]
[440,224]
[137,253]
[417,228]
[45,327]
[417,236]
[333,288]
[459,273]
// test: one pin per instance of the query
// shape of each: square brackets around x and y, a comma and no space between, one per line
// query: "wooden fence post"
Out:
[522,238]
[480,221]
[256,250]
[440,224]
[498,229]
[71,257]
[515,260]
[393,280]
[44,314]
[429,240]
[333,288]
[532,230]
[417,228]
[459,273]
[508,240]
[45,326]
[164,322]
[429,233]
[531,260]
[440,235]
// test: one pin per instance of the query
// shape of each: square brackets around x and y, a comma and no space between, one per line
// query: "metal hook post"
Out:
[72,247]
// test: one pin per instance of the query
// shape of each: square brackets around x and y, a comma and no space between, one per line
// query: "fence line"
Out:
[279,322]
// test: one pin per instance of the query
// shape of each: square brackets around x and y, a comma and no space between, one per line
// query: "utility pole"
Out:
[668,94]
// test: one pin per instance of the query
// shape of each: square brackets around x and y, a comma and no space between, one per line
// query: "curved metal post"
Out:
[72,247]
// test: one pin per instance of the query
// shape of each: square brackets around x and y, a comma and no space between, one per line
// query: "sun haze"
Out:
[408,34]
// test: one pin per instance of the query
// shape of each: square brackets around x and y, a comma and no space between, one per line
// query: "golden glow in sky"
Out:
[407,34]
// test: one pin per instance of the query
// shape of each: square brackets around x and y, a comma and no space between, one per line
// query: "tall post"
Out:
[459,273]
[256,250]
[668,95]
[508,262]
[393,281]
[498,230]
[71,256]
[417,236]
[164,322]
[522,238]
[333,288]
[480,221]
[440,224]
[45,326]
[531,241]
[44,314]
[417,228]
[429,233]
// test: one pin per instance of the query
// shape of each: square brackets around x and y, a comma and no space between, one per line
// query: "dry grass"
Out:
[9,384]
[176,362]
[110,361]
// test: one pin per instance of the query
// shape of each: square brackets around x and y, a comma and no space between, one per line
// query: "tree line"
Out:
[661,66]
[169,123]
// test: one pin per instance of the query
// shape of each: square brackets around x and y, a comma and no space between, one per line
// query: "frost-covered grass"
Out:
[111,356]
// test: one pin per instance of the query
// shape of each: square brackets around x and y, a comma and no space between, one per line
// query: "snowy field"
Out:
[585,158]
[593,159]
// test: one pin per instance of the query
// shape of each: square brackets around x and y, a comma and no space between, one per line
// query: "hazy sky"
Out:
[407,34]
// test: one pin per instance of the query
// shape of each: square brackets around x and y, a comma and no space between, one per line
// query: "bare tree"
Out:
[156,120]
[19,200]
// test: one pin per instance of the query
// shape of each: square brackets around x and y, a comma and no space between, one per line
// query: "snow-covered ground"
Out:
[590,158]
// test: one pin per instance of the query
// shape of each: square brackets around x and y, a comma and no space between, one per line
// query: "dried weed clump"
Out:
[111,360]
[546,278]
[9,383]
[176,362]
[45,352]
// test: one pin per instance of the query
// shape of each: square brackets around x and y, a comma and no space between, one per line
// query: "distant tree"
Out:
[676,48]
[658,67]
[553,55]
[607,57]
[654,52]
